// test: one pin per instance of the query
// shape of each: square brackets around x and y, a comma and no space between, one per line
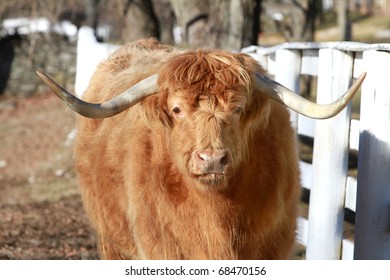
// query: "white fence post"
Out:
[330,160]
[287,73]
[89,54]
[372,239]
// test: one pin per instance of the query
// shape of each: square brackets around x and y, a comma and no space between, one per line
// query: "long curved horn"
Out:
[107,109]
[302,106]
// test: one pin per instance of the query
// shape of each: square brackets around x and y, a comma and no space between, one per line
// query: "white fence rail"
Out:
[331,189]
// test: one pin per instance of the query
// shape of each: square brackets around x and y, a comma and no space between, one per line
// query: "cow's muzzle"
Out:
[210,163]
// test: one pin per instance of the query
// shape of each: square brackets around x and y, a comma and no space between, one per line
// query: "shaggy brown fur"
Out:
[139,184]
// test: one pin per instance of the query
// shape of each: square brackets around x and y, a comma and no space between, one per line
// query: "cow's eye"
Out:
[239,110]
[176,110]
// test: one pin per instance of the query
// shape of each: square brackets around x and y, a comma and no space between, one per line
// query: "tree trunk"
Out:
[191,18]
[140,21]
[91,14]
[311,14]
[235,23]
[300,21]
[166,20]
[343,20]
[228,24]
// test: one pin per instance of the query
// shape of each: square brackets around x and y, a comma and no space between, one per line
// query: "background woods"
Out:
[41,33]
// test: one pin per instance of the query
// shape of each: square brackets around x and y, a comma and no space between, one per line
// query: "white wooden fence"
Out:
[331,189]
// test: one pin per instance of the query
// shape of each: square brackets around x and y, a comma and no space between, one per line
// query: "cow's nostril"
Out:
[201,157]
[224,160]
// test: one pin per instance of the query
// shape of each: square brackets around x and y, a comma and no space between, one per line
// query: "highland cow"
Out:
[189,154]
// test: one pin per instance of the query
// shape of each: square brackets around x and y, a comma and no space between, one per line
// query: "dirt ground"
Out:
[41,213]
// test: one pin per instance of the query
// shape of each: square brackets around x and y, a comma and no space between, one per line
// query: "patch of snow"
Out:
[70,137]
[3,163]
[25,26]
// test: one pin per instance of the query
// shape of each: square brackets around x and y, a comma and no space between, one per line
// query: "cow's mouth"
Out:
[212,179]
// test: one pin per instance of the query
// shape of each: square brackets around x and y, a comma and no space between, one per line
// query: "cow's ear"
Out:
[154,111]
[260,106]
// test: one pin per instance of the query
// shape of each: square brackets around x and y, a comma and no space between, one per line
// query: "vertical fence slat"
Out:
[348,248]
[310,62]
[372,240]
[288,73]
[330,160]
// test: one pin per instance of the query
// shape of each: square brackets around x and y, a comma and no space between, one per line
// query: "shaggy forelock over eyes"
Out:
[199,72]
[221,79]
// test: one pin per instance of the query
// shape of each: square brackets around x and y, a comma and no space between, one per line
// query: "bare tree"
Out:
[91,14]
[343,20]
[140,21]
[234,23]
[192,20]
[230,24]
[166,20]
[130,20]
[296,19]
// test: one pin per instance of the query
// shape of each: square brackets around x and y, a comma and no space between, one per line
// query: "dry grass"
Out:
[41,212]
